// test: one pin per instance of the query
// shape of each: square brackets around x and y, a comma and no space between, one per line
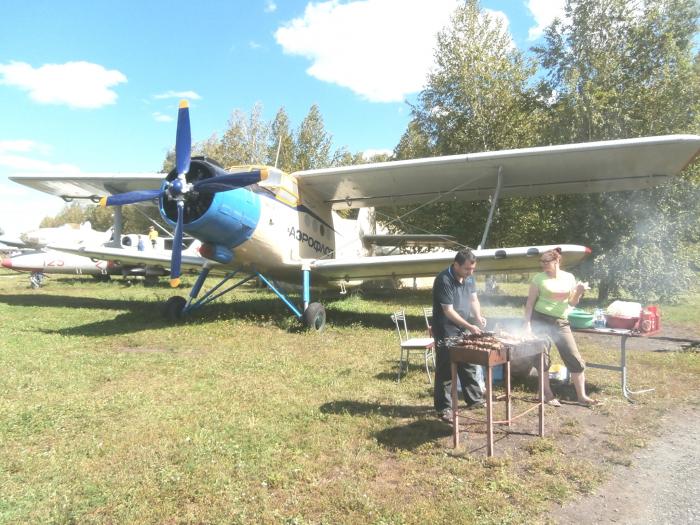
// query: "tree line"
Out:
[611,69]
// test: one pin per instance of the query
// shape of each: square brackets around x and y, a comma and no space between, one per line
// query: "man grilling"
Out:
[454,301]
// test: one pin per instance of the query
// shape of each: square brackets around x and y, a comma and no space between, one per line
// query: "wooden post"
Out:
[541,373]
[506,373]
[489,411]
[455,406]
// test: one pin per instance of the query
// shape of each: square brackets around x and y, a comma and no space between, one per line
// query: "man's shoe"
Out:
[446,415]
[478,404]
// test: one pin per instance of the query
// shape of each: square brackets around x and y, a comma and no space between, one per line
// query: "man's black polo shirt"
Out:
[448,290]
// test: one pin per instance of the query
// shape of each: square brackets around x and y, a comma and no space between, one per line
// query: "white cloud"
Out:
[75,84]
[380,49]
[253,44]
[160,117]
[191,95]
[544,12]
[270,6]
[19,155]
[23,208]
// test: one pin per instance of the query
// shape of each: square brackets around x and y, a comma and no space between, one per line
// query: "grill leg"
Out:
[506,373]
[489,411]
[540,373]
[455,407]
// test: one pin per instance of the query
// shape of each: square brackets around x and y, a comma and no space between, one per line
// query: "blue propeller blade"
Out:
[183,139]
[176,258]
[130,197]
[231,181]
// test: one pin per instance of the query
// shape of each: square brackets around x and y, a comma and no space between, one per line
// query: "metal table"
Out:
[489,359]
[622,368]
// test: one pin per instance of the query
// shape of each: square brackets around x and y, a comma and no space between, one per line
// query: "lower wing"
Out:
[501,260]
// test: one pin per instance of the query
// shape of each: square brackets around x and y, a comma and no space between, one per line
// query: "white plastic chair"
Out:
[410,344]
[428,315]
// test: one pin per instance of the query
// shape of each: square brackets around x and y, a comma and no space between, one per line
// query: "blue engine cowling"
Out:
[227,218]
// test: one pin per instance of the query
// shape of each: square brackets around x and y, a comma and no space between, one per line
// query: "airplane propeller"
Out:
[178,189]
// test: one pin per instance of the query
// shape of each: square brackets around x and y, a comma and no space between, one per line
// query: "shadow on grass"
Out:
[66,301]
[406,437]
[413,435]
[141,314]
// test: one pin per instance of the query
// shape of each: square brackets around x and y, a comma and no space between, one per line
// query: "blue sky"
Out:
[94,86]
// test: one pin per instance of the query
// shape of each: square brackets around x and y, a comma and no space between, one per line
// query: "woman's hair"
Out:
[551,255]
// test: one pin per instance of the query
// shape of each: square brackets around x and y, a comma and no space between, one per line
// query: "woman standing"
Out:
[553,293]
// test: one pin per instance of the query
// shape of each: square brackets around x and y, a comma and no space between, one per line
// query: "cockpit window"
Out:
[284,186]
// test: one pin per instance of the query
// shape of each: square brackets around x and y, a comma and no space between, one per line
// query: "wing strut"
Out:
[494,205]
[117,227]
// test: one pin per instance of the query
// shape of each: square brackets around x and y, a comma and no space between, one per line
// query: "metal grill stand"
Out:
[489,359]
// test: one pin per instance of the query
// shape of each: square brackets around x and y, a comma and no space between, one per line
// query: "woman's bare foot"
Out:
[589,402]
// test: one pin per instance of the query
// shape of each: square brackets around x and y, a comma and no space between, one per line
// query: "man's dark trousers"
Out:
[468,377]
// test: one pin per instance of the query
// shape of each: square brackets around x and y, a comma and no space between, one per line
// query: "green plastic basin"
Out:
[580,319]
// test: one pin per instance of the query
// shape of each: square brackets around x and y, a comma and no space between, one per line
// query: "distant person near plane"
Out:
[153,236]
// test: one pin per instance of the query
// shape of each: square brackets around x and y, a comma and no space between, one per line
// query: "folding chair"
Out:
[412,344]
[428,314]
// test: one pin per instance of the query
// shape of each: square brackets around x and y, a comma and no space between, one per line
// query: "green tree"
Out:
[72,213]
[134,219]
[312,142]
[282,141]
[476,99]
[617,70]
[246,139]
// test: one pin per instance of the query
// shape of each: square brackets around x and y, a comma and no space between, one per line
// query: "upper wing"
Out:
[573,168]
[502,260]
[90,186]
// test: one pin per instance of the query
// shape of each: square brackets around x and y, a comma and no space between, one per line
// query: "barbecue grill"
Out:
[490,350]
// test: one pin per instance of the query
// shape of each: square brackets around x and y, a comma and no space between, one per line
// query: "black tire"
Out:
[36,279]
[150,280]
[314,317]
[173,308]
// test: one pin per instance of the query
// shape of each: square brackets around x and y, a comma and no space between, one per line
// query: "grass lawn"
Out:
[110,415]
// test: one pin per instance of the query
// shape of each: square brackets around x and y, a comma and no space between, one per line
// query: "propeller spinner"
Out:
[179,189]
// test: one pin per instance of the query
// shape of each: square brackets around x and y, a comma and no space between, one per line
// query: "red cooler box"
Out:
[618,321]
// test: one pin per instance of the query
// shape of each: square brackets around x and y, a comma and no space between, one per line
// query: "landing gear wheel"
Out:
[314,317]
[173,308]
[36,279]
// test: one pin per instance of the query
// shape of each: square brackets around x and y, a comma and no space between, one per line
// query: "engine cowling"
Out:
[226,219]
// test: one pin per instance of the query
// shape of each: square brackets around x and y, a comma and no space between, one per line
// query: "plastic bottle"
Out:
[598,318]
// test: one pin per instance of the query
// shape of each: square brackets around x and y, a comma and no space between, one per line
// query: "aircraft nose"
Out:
[7,263]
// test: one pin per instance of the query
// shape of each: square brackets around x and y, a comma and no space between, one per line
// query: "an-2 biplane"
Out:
[258,221]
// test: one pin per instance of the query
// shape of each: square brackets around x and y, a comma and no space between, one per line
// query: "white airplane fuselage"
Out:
[54,262]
